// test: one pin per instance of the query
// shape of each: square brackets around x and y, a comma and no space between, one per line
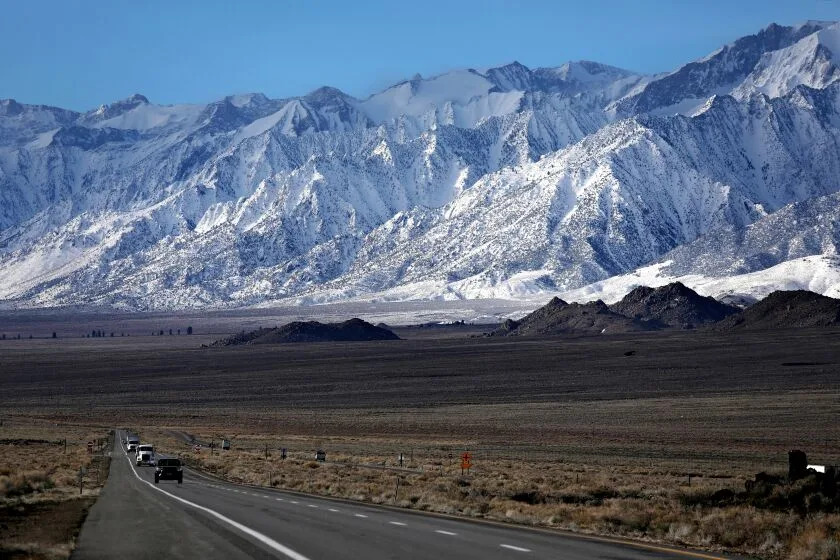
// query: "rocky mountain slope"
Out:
[672,305]
[497,183]
[786,309]
[675,306]
[560,318]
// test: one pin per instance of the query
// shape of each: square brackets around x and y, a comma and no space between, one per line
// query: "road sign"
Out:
[197,448]
[90,447]
[466,461]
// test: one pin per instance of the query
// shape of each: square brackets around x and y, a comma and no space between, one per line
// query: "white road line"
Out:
[397,523]
[361,515]
[280,499]
[266,497]
[516,548]
[313,506]
[442,532]
[334,510]
[266,540]
[294,502]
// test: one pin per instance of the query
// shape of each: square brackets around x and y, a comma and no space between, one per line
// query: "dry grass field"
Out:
[565,433]
[42,503]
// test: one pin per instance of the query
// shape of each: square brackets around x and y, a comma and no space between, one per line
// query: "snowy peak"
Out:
[433,98]
[513,76]
[812,61]
[10,108]
[117,108]
[586,72]
[723,71]
[248,100]
[572,78]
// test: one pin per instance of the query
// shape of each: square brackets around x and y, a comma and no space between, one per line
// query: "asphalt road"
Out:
[205,518]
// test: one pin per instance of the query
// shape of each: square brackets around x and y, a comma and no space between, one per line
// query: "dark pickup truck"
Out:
[169,469]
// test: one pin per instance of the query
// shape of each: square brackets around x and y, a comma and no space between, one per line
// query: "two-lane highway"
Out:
[205,518]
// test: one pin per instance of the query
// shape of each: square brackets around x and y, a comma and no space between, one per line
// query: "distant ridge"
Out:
[559,317]
[354,330]
[786,309]
[675,306]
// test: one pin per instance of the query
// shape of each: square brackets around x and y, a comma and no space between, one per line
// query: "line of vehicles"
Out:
[166,468]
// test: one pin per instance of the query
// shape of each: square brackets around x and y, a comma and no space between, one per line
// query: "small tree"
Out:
[179,332]
[170,332]
[161,332]
[55,335]
[189,331]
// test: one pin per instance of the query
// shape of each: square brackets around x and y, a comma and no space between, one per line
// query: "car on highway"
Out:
[145,454]
[169,468]
[131,443]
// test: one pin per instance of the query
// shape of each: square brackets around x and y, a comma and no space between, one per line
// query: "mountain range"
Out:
[583,180]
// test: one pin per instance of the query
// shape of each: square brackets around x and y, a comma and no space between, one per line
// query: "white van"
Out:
[145,454]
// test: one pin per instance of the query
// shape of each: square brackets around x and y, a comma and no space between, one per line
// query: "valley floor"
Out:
[572,433]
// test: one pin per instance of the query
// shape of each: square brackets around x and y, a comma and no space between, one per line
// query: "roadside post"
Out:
[283,453]
[81,479]
[401,459]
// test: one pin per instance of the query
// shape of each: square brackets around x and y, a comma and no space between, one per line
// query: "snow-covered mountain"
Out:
[495,183]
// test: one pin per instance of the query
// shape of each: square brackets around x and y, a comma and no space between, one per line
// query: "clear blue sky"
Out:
[79,54]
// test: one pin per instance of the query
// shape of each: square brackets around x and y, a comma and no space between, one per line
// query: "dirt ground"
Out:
[43,530]
[699,398]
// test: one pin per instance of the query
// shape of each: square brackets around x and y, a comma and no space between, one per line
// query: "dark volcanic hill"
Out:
[673,305]
[354,330]
[779,310]
[559,317]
